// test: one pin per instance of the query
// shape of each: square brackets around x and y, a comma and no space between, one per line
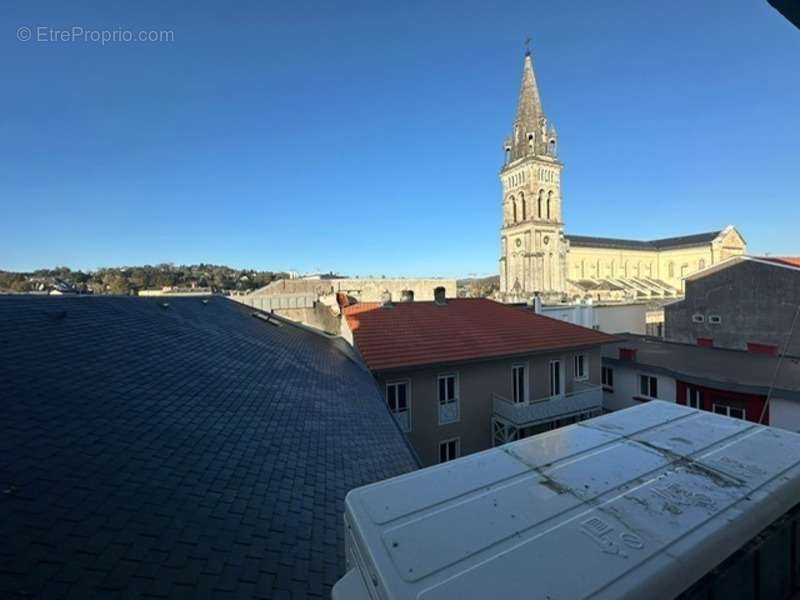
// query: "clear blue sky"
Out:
[365,137]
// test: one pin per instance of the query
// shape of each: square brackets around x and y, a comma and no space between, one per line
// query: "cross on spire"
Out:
[528,46]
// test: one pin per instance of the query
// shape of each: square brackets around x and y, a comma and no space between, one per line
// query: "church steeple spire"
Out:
[532,136]
[529,108]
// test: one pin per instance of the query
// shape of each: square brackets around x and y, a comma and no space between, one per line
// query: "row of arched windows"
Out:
[544,204]
[611,269]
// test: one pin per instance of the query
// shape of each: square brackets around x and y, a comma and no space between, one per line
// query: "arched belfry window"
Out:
[514,206]
[549,194]
[541,198]
[522,204]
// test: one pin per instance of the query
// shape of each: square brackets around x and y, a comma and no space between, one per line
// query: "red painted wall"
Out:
[753,404]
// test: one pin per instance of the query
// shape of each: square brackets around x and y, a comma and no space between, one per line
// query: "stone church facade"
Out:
[538,257]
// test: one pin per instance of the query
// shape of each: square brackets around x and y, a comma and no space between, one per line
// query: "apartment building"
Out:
[734,383]
[463,375]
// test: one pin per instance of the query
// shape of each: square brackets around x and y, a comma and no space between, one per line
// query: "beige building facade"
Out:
[315,302]
[538,258]
[668,261]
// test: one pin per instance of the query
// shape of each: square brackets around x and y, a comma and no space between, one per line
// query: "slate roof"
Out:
[411,334]
[684,241]
[184,452]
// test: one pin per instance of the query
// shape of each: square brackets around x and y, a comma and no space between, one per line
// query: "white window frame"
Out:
[698,404]
[726,410]
[457,447]
[447,413]
[649,386]
[560,392]
[525,381]
[714,320]
[604,380]
[584,362]
[403,418]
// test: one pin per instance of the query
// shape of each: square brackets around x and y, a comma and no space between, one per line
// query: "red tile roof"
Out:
[424,333]
[792,261]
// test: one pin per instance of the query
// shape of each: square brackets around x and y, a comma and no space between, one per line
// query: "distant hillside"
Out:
[129,280]
[478,287]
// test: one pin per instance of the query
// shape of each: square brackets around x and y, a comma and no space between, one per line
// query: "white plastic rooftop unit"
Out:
[640,503]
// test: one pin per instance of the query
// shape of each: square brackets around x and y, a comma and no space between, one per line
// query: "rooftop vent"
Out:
[267,318]
[439,295]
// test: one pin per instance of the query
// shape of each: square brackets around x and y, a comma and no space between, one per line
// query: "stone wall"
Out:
[313,301]
[362,289]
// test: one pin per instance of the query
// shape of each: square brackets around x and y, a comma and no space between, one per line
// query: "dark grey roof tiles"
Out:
[188,451]
[673,242]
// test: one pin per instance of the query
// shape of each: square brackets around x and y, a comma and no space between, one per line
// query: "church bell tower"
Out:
[533,248]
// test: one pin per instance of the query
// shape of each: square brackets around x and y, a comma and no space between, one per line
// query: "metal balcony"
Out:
[585,397]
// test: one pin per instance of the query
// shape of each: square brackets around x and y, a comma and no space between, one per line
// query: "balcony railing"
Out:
[585,397]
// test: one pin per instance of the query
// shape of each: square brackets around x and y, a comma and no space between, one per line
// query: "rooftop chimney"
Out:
[439,295]
[536,303]
[386,299]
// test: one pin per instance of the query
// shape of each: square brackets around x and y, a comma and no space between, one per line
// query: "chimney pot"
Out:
[386,299]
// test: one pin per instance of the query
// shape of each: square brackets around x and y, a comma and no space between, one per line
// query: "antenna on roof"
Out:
[778,366]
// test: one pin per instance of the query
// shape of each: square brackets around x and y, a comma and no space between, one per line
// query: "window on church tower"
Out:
[522,204]
[541,194]
[549,194]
